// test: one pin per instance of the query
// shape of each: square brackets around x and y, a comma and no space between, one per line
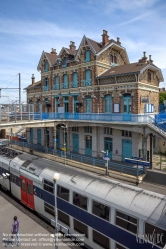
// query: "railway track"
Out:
[33,215]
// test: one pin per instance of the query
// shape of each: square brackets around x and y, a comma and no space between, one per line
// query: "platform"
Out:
[32,235]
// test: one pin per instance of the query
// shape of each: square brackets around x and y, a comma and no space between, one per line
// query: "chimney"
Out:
[72,45]
[144,58]
[150,59]
[105,38]
[53,51]
[33,79]
[118,41]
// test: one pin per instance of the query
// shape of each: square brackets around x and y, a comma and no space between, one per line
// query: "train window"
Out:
[156,234]
[23,185]
[120,247]
[63,217]
[30,189]
[101,210]
[13,178]
[49,209]
[80,200]
[127,222]
[63,193]
[80,227]
[49,186]
[100,239]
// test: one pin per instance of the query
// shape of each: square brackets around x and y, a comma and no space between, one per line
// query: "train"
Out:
[102,212]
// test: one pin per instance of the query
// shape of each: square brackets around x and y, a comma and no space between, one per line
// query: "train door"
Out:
[27,196]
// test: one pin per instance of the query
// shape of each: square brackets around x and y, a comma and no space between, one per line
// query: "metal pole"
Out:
[19,89]
[21,111]
[56,222]
[15,118]
[107,163]
[0,115]
[64,146]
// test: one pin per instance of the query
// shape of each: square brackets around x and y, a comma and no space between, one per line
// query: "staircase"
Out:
[19,130]
[157,125]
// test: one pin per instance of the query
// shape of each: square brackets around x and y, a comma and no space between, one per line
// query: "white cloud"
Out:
[127,5]
[140,17]
[34,28]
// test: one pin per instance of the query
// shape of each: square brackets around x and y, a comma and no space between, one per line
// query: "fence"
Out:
[130,170]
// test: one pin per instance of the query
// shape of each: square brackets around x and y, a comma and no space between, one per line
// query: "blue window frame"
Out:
[88,104]
[87,56]
[75,80]
[56,85]
[107,103]
[127,103]
[64,62]
[87,74]
[46,66]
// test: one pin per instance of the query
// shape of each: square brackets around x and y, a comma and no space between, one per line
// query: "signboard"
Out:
[116,108]
[64,149]
[145,99]
[106,158]
[138,162]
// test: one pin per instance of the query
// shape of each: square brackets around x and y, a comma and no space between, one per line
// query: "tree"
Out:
[162,97]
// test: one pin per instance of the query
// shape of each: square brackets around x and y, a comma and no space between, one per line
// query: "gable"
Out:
[50,58]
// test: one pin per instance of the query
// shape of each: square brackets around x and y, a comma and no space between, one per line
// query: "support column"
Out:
[144,148]
[68,138]
[151,150]
[54,136]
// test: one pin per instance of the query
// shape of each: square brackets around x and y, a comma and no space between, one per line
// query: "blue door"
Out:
[88,105]
[31,135]
[58,140]
[107,103]
[39,136]
[75,143]
[127,107]
[108,146]
[126,149]
[88,145]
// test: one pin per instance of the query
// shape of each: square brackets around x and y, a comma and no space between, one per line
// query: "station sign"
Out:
[138,162]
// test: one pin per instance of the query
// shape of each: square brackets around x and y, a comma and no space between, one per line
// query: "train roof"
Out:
[149,205]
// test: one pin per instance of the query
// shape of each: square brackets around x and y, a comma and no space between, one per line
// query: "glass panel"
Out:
[74,76]
[23,185]
[126,225]
[80,227]
[57,79]
[124,105]
[119,246]
[49,186]
[63,193]
[30,189]
[100,239]
[63,217]
[126,217]
[87,74]
[65,78]
[159,235]
[80,200]
[101,210]
[49,209]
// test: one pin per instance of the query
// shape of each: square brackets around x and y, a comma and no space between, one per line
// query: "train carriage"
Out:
[108,213]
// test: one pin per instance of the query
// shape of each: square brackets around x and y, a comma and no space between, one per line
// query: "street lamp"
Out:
[64,142]
[56,178]
[107,159]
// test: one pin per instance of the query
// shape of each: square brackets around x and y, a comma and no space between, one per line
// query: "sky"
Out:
[27,27]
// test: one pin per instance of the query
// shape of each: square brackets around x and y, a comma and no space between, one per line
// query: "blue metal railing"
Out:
[74,84]
[56,86]
[130,170]
[87,82]
[145,119]
[159,122]
[64,85]
[45,88]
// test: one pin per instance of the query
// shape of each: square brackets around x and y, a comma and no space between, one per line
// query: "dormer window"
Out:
[113,59]
[46,66]
[64,64]
[87,56]
[149,76]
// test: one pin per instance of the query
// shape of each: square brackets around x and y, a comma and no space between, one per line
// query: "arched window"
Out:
[64,64]
[111,58]
[107,103]
[46,66]
[65,81]
[115,59]
[88,104]
[149,76]
[87,56]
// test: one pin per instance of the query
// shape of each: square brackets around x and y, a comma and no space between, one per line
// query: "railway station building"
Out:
[99,100]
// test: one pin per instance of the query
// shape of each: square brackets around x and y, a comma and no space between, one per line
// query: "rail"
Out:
[117,167]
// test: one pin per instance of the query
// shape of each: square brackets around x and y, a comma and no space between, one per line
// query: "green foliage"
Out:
[162,97]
